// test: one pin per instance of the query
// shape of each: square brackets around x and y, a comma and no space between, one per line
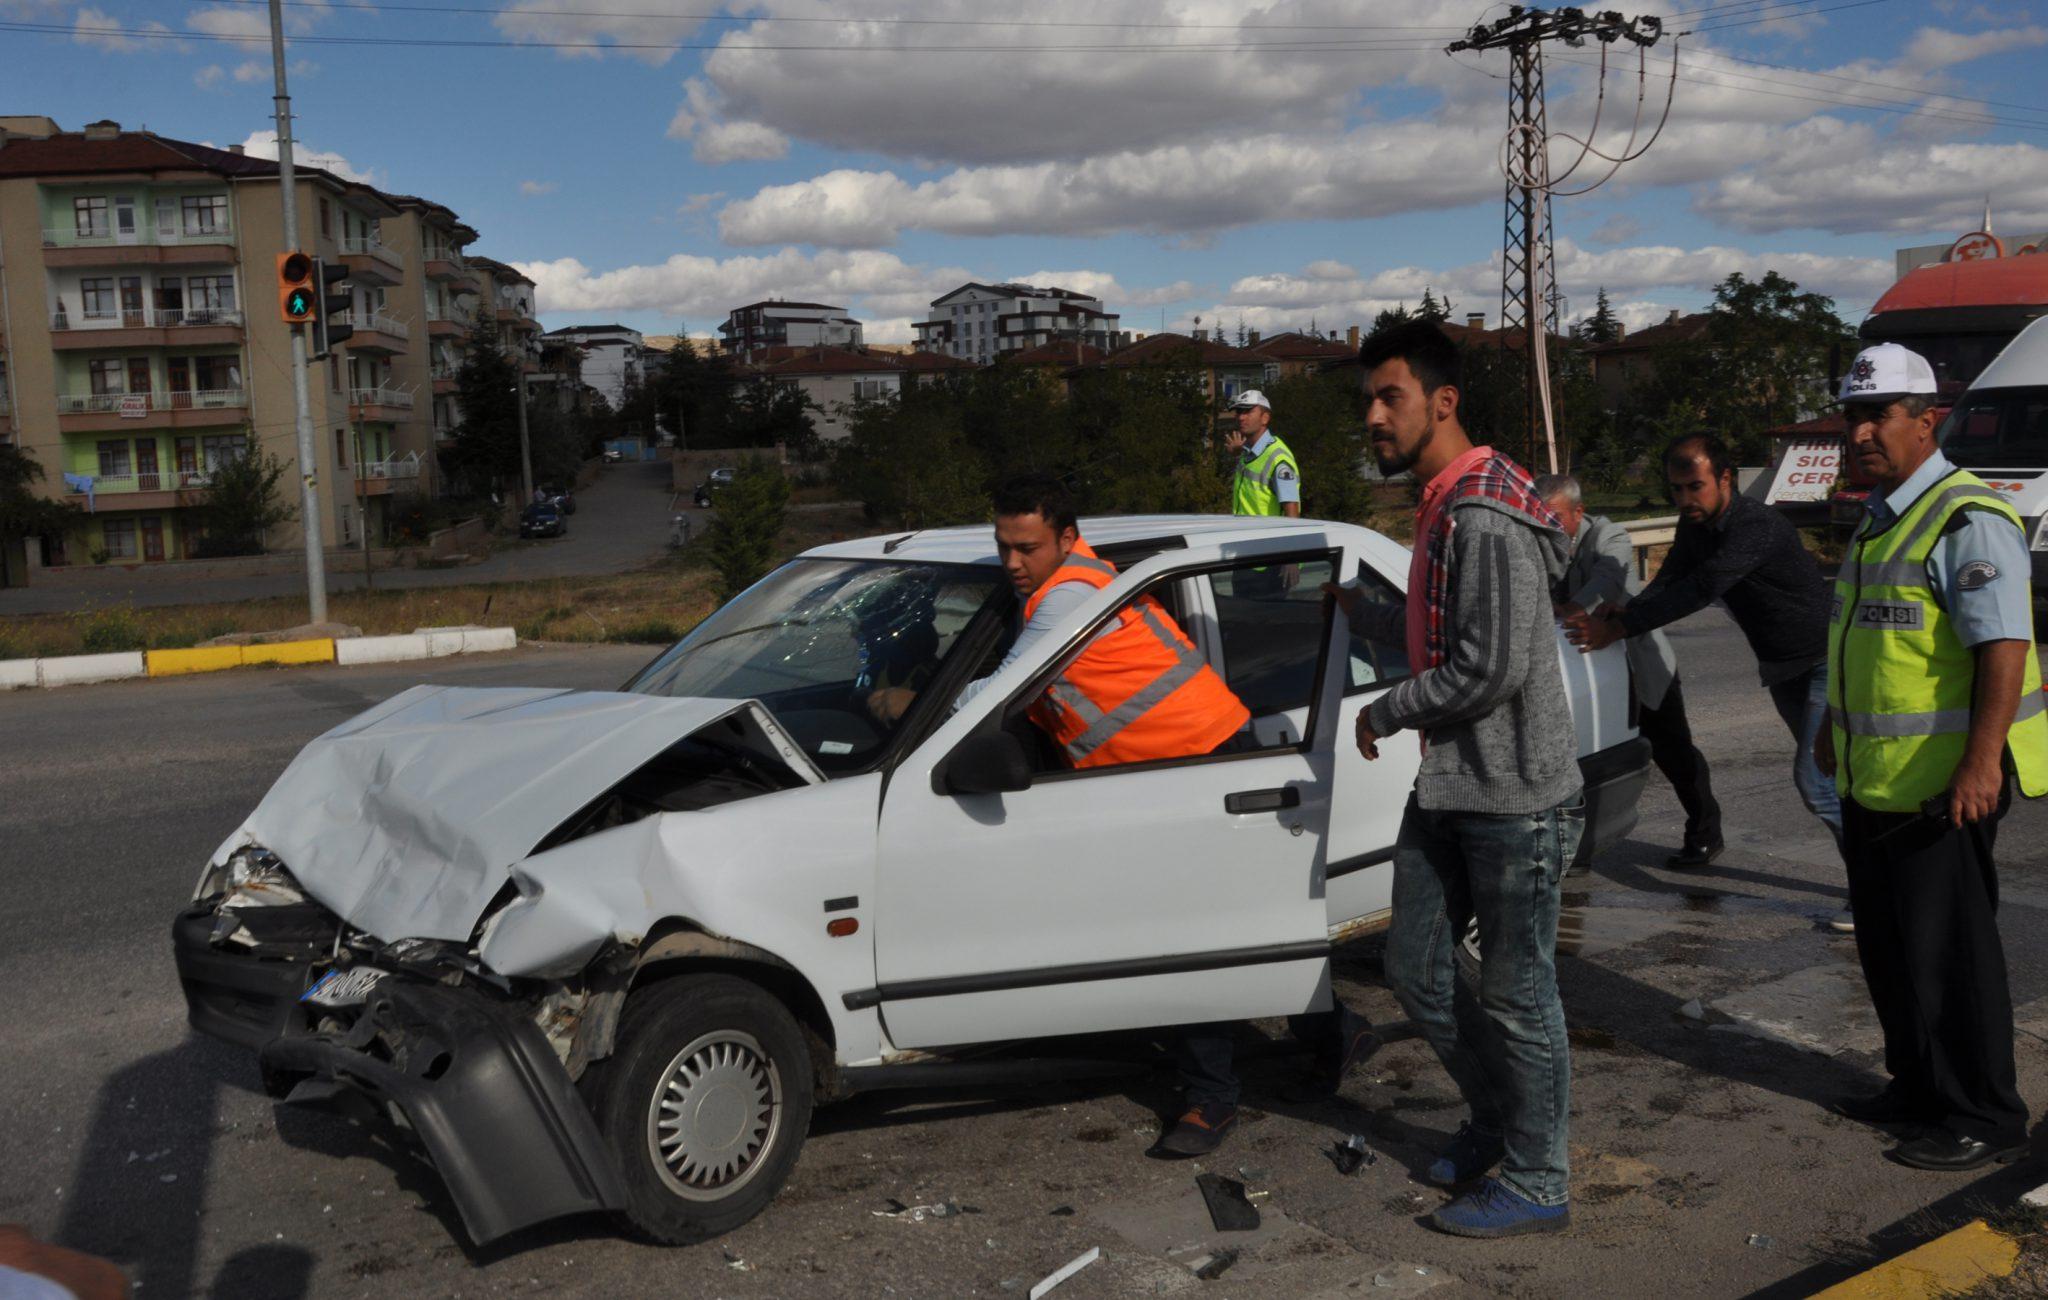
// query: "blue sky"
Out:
[1272,164]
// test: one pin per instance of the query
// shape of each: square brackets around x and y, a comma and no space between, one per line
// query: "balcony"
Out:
[110,412]
[448,327]
[382,477]
[444,380]
[446,264]
[165,490]
[369,260]
[376,332]
[98,247]
[379,404]
[164,327]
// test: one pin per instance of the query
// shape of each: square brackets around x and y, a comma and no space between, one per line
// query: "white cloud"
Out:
[589,21]
[717,140]
[881,288]
[86,30]
[1933,47]
[209,77]
[263,144]
[252,71]
[247,26]
[534,189]
[1617,229]
[699,202]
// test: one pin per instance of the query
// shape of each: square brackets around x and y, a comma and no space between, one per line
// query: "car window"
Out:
[1270,619]
[818,640]
[1270,625]
[1376,659]
[1997,427]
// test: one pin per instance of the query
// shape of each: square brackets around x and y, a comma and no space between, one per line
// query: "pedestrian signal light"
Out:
[297,297]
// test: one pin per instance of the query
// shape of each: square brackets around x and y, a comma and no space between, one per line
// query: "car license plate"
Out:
[343,988]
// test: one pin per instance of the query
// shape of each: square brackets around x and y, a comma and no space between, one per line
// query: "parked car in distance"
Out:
[612,456]
[714,483]
[606,950]
[561,499]
[542,519]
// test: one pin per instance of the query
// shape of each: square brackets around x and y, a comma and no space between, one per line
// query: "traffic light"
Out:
[296,294]
[331,329]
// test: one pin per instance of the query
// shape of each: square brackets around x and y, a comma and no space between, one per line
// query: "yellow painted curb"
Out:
[207,659]
[290,652]
[1951,1263]
[203,659]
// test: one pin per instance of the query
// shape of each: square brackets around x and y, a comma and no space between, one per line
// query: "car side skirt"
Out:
[1083,973]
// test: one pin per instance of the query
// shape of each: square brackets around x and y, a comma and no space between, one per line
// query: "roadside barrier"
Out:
[427,643]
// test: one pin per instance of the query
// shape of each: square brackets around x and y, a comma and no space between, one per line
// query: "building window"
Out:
[187,452]
[114,461]
[211,293]
[119,538]
[326,221]
[98,295]
[205,214]
[341,448]
[104,373]
[220,448]
[89,217]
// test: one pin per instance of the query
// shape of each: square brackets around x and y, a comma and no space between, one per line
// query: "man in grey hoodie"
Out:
[1497,809]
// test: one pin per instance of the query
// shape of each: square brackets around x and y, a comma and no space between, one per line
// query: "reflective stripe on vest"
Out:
[1182,709]
[1901,684]
[1253,491]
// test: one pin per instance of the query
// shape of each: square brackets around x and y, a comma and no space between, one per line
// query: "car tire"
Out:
[1466,956]
[705,1051]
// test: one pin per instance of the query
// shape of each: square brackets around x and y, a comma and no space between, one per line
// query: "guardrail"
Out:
[399,467]
[1646,533]
[378,321]
[103,403]
[62,237]
[381,397]
[133,319]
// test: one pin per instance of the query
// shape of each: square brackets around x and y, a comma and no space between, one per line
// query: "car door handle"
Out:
[1258,801]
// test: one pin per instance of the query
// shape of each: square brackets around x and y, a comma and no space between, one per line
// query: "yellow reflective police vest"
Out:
[1901,684]
[1254,492]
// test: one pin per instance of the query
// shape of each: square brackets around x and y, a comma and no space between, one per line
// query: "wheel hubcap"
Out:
[715,1110]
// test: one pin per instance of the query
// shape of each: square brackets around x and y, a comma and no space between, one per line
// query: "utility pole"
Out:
[309,473]
[525,449]
[1528,290]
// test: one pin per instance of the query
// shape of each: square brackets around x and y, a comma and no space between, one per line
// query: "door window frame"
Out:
[1014,708]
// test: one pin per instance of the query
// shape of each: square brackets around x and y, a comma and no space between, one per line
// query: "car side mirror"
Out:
[990,763]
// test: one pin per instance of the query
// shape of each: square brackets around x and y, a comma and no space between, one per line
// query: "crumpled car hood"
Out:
[406,820]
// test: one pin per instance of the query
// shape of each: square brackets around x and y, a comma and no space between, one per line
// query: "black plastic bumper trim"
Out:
[1084,973]
[486,1094]
[237,997]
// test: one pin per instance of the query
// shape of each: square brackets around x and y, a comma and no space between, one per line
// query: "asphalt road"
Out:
[1703,1163]
[621,522]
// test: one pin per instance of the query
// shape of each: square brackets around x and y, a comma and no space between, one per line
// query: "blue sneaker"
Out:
[1491,1210]
[1472,1152]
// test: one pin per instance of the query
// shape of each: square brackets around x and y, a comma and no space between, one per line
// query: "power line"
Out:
[843,19]
[1768,17]
[1884,85]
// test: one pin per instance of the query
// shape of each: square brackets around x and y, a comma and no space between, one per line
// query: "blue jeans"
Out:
[1503,1044]
[1803,703]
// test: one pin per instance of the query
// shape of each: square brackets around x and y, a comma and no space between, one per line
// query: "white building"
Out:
[611,357]
[980,322]
[772,324]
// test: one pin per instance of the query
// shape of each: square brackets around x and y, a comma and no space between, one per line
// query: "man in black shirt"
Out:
[1737,550]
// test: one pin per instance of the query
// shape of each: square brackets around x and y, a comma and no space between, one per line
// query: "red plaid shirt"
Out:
[1481,471]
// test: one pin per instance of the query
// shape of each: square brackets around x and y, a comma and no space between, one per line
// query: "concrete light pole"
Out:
[309,474]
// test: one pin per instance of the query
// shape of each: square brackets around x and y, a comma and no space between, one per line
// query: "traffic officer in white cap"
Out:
[1268,479]
[1935,712]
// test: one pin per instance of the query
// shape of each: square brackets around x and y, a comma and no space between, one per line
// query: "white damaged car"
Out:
[606,950]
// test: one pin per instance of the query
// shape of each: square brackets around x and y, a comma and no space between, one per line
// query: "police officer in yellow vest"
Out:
[1934,696]
[1268,480]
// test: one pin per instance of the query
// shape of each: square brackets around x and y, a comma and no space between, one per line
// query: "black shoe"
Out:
[1322,1080]
[1198,1132]
[1696,853]
[1887,1107]
[1952,1153]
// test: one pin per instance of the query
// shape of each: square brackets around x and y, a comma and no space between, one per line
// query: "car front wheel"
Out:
[705,1102]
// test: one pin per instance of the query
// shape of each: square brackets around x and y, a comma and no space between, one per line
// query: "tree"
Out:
[746,520]
[1389,318]
[242,502]
[1433,308]
[1317,417]
[1603,326]
[487,387]
[24,514]
[767,413]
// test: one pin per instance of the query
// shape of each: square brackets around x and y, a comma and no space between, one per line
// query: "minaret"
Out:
[1986,227]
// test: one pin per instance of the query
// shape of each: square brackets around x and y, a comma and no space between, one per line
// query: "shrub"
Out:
[108,631]
[648,631]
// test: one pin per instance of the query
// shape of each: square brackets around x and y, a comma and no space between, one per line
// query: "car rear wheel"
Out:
[705,1102]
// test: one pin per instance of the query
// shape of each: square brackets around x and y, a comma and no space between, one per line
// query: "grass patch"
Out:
[658,603]
[2028,1226]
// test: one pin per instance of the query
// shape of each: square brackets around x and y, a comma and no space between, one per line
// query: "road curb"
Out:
[1952,1263]
[427,643]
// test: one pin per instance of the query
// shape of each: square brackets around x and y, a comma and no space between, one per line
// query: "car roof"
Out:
[975,543]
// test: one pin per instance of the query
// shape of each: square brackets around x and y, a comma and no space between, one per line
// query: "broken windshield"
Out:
[825,644]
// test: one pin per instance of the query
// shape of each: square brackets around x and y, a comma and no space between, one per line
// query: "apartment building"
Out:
[140,343]
[611,361]
[773,324]
[981,322]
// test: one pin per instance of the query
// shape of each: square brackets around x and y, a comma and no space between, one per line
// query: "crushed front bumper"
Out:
[473,1077]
